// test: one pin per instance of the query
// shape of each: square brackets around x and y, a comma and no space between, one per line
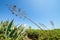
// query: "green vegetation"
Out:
[8,31]
[43,35]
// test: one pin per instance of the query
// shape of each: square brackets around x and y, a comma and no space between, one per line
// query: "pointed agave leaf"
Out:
[20,34]
[9,26]
[20,30]
[15,34]
[12,33]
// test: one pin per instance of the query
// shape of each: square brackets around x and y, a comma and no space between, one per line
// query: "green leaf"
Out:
[8,27]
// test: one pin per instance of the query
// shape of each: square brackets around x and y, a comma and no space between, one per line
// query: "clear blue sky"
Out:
[40,11]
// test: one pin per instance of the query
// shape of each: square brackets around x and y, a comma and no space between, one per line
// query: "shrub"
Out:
[10,32]
[43,35]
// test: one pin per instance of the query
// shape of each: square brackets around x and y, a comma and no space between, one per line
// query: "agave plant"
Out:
[11,32]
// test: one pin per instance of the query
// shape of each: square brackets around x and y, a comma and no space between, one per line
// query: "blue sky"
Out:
[40,11]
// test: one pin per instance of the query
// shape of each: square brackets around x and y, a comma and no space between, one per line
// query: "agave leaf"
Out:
[20,30]
[20,33]
[8,27]
[12,33]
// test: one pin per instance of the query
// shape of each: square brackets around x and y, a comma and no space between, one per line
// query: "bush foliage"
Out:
[9,32]
[43,35]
